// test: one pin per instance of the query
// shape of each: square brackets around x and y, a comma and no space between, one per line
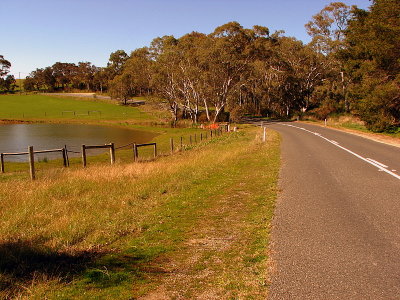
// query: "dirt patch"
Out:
[5,122]
[211,264]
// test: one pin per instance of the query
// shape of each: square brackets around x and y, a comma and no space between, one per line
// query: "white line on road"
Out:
[378,163]
[371,162]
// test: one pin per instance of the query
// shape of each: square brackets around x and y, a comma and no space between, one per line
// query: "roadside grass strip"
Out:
[191,225]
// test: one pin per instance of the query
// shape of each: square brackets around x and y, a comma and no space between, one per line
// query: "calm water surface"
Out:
[17,137]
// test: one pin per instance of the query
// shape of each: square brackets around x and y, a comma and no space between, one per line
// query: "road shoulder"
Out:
[371,136]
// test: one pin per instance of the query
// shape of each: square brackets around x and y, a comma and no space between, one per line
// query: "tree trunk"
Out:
[207,111]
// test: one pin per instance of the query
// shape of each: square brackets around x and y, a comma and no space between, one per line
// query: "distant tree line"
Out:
[350,66]
[66,76]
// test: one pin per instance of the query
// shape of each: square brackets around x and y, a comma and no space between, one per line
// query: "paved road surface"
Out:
[336,232]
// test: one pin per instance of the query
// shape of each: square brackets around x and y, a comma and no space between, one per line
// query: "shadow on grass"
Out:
[22,262]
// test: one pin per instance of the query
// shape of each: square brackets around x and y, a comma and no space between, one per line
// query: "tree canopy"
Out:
[7,81]
[350,66]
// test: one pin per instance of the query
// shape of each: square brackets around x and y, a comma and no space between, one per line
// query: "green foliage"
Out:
[7,82]
[327,28]
[66,76]
[372,59]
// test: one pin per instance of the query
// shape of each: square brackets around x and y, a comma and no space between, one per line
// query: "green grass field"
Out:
[62,109]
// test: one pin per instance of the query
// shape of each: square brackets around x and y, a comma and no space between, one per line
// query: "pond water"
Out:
[17,138]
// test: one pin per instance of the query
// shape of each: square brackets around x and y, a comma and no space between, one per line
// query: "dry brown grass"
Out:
[69,218]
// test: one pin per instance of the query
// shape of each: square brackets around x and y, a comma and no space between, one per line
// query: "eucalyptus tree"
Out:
[228,59]
[134,78]
[84,76]
[328,27]
[116,63]
[5,66]
[121,87]
[7,81]
[139,66]
[100,79]
[164,72]
[190,74]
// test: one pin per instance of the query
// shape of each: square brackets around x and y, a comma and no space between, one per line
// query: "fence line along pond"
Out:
[17,138]
[111,147]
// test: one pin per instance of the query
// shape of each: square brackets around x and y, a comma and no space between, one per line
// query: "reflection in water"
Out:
[17,137]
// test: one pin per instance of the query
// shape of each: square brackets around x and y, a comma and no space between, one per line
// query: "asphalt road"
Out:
[336,232]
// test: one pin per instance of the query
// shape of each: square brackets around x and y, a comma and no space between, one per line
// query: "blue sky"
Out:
[39,33]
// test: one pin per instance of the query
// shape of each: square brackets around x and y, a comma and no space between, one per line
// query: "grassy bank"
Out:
[160,135]
[190,225]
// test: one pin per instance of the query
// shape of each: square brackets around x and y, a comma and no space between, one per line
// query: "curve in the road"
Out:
[336,230]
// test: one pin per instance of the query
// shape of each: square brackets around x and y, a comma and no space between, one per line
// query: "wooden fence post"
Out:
[31,162]
[172,145]
[264,134]
[135,152]
[84,156]
[2,162]
[195,138]
[201,137]
[211,134]
[64,155]
[155,150]
[112,153]
[181,143]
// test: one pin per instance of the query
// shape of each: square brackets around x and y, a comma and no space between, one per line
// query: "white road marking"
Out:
[378,163]
[371,162]
[334,142]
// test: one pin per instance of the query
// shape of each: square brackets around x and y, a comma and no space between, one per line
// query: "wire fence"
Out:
[176,144]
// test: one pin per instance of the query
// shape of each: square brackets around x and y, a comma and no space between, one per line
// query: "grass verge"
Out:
[192,225]
[354,124]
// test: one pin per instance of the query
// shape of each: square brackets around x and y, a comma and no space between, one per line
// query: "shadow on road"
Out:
[265,122]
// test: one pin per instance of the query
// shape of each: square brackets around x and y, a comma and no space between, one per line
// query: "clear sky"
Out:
[38,33]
